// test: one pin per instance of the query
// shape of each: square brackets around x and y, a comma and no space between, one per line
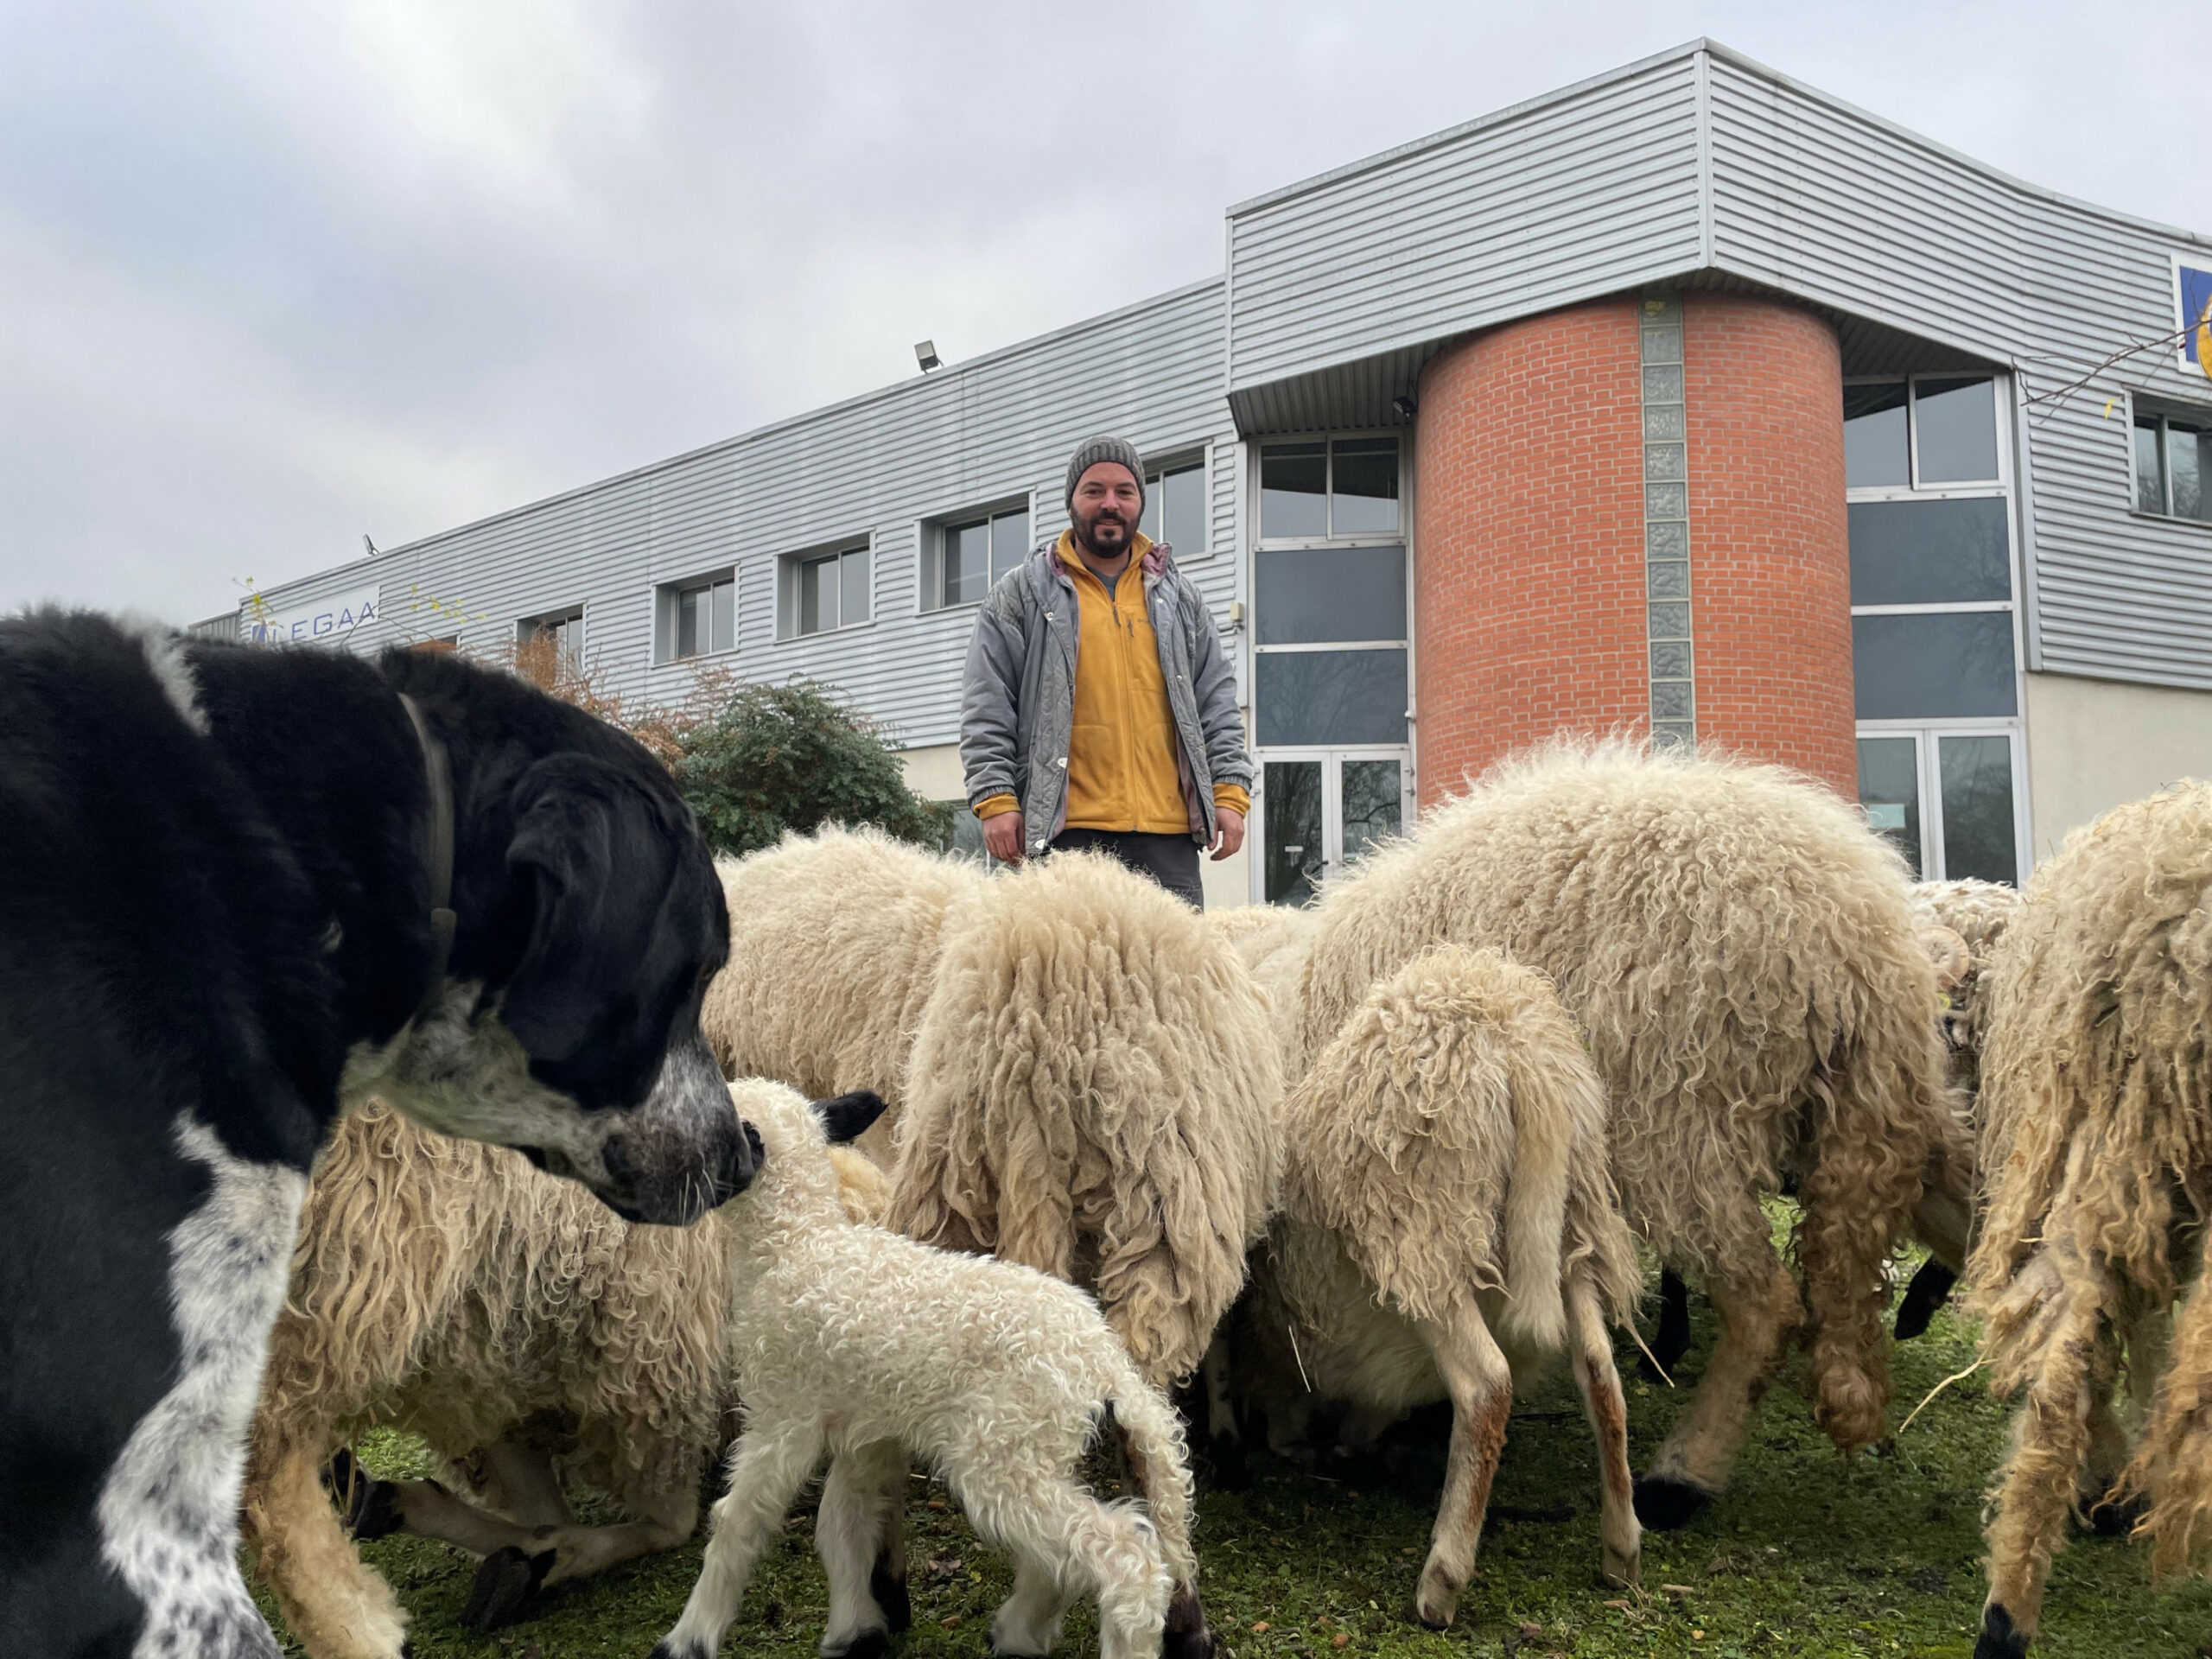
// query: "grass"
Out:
[1805,1555]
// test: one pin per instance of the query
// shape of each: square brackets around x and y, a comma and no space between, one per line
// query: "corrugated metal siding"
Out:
[1586,193]
[1818,200]
[878,467]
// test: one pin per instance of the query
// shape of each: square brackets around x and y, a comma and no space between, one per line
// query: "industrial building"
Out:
[1687,398]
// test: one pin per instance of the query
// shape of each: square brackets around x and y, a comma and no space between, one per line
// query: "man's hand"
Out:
[1003,836]
[1229,832]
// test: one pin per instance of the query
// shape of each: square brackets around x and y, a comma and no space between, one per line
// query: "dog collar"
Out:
[439,770]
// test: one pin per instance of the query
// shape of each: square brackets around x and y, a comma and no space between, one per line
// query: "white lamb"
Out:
[873,1349]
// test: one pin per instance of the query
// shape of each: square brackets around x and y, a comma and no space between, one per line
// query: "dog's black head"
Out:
[627,926]
[591,918]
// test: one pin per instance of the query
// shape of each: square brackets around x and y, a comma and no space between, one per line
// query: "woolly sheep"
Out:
[449,1287]
[833,940]
[2096,1100]
[1273,941]
[1963,921]
[873,1348]
[1449,1225]
[1092,1093]
[1737,945]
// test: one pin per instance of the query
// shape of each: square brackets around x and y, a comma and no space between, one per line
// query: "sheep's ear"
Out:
[848,1116]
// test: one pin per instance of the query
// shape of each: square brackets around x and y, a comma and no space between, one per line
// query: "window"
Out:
[973,552]
[1921,433]
[1317,489]
[2173,465]
[1934,657]
[698,618]
[1175,505]
[561,631]
[823,592]
[547,644]
[1946,800]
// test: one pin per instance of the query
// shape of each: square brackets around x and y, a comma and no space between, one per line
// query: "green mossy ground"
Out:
[1806,1554]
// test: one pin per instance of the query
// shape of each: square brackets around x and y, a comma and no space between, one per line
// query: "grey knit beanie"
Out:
[1091,451]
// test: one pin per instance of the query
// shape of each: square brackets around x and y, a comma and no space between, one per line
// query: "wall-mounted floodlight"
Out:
[926,355]
[1403,406]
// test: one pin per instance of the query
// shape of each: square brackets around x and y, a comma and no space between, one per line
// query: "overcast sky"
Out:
[275,273]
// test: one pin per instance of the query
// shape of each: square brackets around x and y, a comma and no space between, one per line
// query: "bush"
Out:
[774,758]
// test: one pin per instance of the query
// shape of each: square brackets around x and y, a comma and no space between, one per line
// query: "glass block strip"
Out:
[1666,521]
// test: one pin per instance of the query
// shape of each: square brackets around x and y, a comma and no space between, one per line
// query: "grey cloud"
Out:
[272,276]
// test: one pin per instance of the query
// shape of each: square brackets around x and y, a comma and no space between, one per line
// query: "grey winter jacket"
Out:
[1017,699]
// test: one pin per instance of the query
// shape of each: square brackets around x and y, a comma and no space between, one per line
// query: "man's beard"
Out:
[1086,532]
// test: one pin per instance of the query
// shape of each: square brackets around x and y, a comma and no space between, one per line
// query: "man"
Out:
[1098,709]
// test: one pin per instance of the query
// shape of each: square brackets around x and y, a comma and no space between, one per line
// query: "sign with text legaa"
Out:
[325,622]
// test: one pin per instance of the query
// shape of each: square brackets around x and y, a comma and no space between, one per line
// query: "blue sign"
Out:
[2194,286]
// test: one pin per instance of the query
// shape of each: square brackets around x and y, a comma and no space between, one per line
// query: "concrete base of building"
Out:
[2093,744]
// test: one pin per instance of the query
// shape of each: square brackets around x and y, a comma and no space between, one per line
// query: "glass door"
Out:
[1319,812]
[1948,799]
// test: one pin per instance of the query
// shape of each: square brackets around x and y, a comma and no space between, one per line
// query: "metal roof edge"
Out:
[753,434]
[1935,147]
[1495,117]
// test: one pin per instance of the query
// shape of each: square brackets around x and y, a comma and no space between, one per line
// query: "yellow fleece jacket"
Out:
[1121,752]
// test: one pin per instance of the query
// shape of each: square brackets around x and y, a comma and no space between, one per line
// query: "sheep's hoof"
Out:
[505,1585]
[868,1644]
[2000,1640]
[1185,1635]
[665,1648]
[1929,1289]
[1232,1469]
[1620,1572]
[1667,1505]
[890,1593]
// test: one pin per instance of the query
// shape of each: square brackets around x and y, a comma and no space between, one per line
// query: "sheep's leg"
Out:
[1697,1458]
[858,1533]
[1670,1339]
[1607,1409]
[1480,1383]
[767,1470]
[1186,1635]
[511,1576]
[521,1482]
[2051,1439]
[1224,1436]
[1066,1544]
[333,1601]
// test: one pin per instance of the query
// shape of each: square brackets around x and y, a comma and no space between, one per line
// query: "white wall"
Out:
[2093,744]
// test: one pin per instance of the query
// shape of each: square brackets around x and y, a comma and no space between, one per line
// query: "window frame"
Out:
[668,597]
[1254,543]
[788,577]
[1186,459]
[526,627]
[930,534]
[2000,488]
[1264,542]
[1928,730]
[2164,412]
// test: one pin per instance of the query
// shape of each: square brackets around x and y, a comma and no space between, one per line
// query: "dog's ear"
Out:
[846,1117]
[611,956]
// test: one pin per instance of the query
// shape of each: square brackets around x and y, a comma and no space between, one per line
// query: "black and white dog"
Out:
[225,912]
